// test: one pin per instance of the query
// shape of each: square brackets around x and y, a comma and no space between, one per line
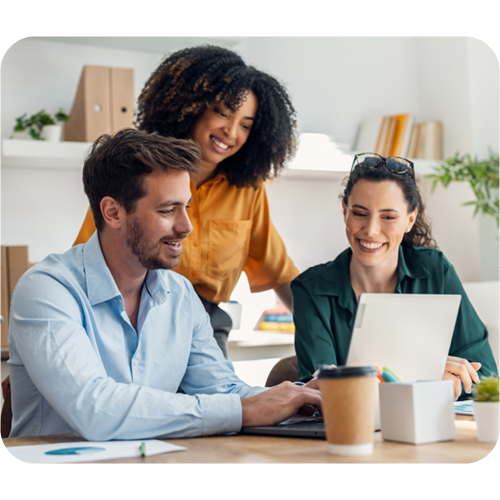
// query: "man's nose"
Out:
[183,224]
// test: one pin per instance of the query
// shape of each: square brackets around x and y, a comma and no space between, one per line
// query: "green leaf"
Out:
[37,121]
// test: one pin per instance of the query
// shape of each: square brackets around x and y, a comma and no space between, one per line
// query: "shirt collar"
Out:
[101,285]
[336,280]
[219,177]
[413,267]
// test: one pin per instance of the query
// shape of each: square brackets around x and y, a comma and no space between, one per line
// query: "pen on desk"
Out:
[143,449]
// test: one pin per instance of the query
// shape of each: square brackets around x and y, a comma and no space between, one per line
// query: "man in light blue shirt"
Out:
[102,337]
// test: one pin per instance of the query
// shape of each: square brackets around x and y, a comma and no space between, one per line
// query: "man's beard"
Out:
[149,253]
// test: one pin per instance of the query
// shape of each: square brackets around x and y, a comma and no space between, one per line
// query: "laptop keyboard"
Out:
[310,424]
[293,422]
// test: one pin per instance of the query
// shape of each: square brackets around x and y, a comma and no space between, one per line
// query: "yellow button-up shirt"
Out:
[232,232]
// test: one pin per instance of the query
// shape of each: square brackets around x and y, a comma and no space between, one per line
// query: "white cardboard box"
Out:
[417,411]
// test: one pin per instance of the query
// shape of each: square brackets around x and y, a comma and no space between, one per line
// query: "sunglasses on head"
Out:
[395,164]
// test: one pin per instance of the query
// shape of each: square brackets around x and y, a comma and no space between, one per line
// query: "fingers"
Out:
[307,410]
[315,374]
[313,384]
[307,395]
[464,370]
[278,403]
[457,385]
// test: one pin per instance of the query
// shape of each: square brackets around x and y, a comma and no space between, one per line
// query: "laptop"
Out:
[408,333]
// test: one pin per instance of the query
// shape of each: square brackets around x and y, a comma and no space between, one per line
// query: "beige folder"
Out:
[104,103]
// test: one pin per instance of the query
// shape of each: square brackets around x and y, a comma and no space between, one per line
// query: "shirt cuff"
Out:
[222,413]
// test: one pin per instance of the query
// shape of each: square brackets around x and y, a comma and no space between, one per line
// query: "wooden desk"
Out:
[259,449]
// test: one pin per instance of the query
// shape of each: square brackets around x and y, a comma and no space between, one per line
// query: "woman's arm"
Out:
[284,292]
[470,350]
[314,340]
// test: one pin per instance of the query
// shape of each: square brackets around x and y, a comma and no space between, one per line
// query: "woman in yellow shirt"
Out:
[244,123]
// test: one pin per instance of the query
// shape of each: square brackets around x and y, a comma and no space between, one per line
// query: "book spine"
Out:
[279,318]
[275,326]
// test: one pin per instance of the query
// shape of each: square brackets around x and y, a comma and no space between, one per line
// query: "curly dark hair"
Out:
[420,234]
[177,93]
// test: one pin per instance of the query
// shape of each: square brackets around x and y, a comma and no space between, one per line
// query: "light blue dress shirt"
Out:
[78,365]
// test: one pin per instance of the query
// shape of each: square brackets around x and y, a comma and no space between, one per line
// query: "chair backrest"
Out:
[284,369]
[6,419]
[484,296]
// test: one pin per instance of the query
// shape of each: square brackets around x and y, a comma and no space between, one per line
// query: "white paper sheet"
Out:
[36,454]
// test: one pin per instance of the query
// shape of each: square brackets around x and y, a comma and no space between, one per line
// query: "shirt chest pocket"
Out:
[228,243]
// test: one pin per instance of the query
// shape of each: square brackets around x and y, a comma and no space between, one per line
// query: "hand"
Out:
[315,374]
[278,403]
[5,386]
[460,371]
[308,409]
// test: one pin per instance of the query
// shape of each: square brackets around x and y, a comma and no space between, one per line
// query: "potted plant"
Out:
[42,126]
[481,175]
[485,403]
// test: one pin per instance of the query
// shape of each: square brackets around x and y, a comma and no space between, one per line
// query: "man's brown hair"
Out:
[117,165]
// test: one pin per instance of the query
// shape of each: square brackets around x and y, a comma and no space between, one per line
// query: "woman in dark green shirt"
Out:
[391,251]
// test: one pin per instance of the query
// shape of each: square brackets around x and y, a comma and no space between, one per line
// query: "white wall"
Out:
[442,69]
[44,209]
[484,101]
[44,74]
[337,82]
[308,216]
[334,82]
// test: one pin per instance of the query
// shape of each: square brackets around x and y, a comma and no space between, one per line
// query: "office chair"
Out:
[284,369]
[6,418]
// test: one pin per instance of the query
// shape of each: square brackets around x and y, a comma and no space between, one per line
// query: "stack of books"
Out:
[426,141]
[399,135]
[278,319]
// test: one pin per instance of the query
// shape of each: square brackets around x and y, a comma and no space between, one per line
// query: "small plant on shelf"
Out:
[486,390]
[35,123]
[481,175]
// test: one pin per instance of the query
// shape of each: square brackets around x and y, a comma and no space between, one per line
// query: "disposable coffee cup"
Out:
[348,405]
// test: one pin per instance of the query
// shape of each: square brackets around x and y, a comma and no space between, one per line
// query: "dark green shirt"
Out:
[324,306]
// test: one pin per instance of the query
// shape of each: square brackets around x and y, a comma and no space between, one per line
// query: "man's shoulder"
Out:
[56,276]
[68,264]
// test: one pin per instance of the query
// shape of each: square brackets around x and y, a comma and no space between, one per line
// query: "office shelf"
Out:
[17,153]
[422,168]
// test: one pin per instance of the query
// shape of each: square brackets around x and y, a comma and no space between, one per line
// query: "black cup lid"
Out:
[325,371]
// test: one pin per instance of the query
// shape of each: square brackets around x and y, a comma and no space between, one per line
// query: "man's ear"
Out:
[344,210]
[112,212]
